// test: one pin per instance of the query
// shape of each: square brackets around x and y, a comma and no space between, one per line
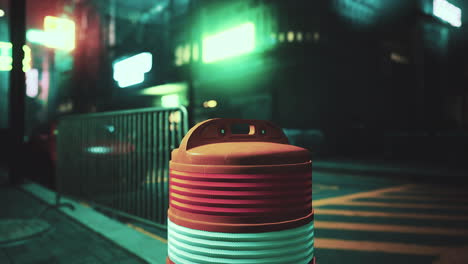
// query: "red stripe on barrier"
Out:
[211,226]
[237,211]
[240,194]
[239,185]
[244,219]
[239,177]
[239,202]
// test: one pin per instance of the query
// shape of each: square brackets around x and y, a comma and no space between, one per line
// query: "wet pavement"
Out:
[66,241]
[384,220]
[359,218]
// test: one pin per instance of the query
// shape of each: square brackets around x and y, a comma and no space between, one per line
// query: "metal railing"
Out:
[120,160]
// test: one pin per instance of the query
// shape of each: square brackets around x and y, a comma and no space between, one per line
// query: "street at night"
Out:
[234,131]
[360,219]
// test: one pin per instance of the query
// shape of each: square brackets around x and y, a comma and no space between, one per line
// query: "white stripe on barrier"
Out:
[192,246]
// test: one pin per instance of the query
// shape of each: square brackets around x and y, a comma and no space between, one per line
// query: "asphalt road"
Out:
[383,220]
[368,220]
[380,219]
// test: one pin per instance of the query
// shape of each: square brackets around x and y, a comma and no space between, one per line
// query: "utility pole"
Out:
[193,10]
[17,88]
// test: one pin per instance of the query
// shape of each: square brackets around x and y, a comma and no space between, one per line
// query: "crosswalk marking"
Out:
[436,191]
[390,228]
[400,193]
[405,205]
[387,247]
[373,193]
[403,196]
[320,211]
[424,198]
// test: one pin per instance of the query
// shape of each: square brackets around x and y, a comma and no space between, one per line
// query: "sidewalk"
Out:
[411,170]
[73,235]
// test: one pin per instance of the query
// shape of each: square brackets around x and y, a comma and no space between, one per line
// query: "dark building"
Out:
[352,75]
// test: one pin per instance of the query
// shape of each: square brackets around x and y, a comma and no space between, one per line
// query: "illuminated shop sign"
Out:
[131,71]
[229,43]
[448,12]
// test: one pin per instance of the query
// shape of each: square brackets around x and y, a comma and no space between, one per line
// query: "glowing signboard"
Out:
[131,71]
[59,33]
[229,43]
[447,12]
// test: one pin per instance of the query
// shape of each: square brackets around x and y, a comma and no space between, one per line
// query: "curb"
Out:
[136,243]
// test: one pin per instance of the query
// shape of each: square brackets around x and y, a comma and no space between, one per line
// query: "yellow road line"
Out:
[388,247]
[141,230]
[436,191]
[424,198]
[373,193]
[326,187]
[405,205]
[320,211]
[391,228]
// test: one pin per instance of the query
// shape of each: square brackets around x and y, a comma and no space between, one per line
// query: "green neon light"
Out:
[6,61]
[230,43]
[361,13]
[168,88]
[59,33]
[170,100]
[99,150]
[447,12]
[131,71]
[36,36]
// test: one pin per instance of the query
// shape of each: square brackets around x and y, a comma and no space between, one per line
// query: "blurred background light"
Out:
[447,12]
[5,56]
[2,13]
[36,36]
[290,36]
[6,59]
[316,36]
[210,104]
[169,88]
[27,60]
[195,52]
[131,71]
[186,53]
[99,150]
[362,13]
[299,36]
[170,100]
[61,31]
[281,37]
[230,43]
[32,83]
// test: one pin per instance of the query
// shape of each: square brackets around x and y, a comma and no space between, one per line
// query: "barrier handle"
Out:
[219,130]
